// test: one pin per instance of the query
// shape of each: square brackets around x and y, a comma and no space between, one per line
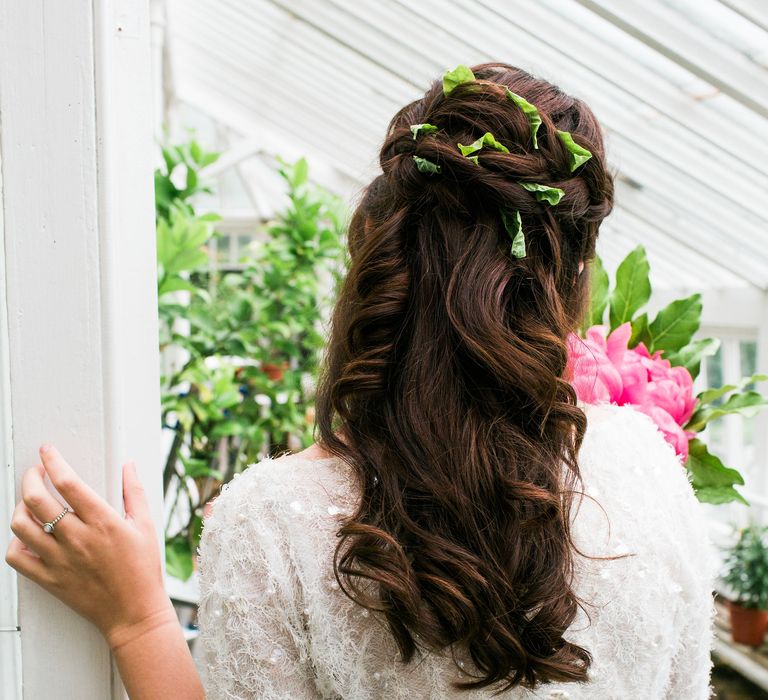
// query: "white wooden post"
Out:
[80,284]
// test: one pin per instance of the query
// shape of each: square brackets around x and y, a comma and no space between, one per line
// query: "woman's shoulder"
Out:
[643,485]
[302,483]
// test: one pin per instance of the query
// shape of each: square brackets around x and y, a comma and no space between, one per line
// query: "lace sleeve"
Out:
[251,624]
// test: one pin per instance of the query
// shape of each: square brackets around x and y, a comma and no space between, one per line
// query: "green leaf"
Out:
[530,111]
[717,495]
[578,154]
[427,166]
[544,193]
[175,284]
[598,296]
[639,332]
[712,481]
[710,395]
[675,324]
[178,558]
[747,404]
[633,288]
[487,139]
[514,226]
[474,159]
[417,129]
[690,356]
[457,76]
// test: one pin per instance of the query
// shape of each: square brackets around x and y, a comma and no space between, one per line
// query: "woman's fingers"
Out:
[86,502]
[31,533]
[27,563]
[39,501]
[134,497]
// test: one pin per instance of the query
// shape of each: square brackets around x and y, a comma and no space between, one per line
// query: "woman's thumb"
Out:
[134,497]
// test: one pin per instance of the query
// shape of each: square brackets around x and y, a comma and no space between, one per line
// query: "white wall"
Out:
[79,278]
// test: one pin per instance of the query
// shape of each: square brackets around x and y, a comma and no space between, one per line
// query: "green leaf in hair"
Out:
[457,76]
[486,139]
[544,193]
[534,118]
[427,166]
[578,154]
[474,160]
[514,226]
[422,129]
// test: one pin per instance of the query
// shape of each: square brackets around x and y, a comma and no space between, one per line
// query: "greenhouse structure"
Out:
[95,97]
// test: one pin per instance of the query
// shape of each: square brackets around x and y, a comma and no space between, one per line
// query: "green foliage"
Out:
[675,324]
[746,566]
[712,481]
[633,288]
[748,404]
[254,337]
[598,298]
[671,332]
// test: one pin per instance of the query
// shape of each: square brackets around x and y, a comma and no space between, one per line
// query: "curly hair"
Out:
[444,386]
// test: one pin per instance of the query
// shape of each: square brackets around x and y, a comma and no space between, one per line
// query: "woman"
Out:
[433,543]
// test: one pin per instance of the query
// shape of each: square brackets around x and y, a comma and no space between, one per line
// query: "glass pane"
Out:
[748,359]
[715,432]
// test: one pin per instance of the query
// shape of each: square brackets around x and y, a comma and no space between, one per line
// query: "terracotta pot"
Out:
[274,372]
[748,625]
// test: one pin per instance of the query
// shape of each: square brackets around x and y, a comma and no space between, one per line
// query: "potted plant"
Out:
[746,566]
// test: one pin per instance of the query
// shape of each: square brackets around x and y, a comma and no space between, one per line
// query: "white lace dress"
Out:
[274,624]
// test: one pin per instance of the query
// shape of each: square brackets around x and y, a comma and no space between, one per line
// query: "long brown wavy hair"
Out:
[444,382]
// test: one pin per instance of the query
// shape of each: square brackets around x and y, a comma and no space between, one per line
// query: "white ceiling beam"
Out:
[756,11]
[700,53]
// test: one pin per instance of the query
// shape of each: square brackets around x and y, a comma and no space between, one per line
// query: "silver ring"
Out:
[48,527]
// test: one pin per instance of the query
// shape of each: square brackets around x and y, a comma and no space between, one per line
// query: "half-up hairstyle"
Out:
[444,383]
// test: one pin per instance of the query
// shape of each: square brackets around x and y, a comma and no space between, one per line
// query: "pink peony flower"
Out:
[603,369]
[592,373]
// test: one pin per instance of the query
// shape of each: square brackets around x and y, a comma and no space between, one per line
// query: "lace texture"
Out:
[274,624]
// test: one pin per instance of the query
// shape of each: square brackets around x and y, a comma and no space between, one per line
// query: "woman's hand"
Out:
[105,567]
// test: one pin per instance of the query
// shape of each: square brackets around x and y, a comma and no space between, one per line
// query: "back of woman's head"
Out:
[444,386]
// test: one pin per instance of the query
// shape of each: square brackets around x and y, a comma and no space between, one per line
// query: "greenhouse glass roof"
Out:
[681,87]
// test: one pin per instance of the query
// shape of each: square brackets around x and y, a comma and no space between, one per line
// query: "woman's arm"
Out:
[108,569]
[154,659]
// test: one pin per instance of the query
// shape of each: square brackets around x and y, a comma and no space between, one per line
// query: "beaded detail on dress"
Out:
[274,623]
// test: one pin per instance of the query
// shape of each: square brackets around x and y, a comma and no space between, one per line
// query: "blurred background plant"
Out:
[252,337]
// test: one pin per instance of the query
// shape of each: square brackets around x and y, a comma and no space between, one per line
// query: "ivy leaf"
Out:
[474,159]
[544,193]
[747,404]
[578,154]
[427,166]
[417,129]
[690,356]
[675,324]
[457,76]
[633,288]
[487,139]
[598,296]
[530,111]
[514,226]
[712,481]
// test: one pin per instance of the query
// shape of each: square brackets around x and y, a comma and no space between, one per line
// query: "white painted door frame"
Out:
[79,279]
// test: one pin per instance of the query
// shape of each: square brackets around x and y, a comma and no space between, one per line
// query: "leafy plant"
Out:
[746,566]
[671,332]
[253,340]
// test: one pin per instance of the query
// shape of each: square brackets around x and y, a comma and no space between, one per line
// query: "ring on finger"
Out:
[48,527]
